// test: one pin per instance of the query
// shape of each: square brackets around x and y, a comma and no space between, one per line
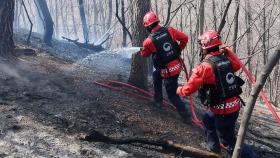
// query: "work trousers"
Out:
[171,85]
[221,129]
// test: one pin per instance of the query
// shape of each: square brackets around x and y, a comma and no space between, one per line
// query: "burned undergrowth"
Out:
[48,99]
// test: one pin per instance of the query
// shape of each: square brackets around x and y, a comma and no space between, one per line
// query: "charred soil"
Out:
[47,101]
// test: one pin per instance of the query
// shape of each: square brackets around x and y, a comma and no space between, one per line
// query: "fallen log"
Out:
[96,48]
[170,146]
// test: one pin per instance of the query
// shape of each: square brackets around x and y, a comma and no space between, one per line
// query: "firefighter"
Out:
[162,45]
[219,91]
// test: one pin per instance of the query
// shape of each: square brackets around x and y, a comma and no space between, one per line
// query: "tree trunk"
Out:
[110,13]
[169,2]
[84,21]
[264,36]
[214,13]
[56,20]
[138,74]
[249,37]
[252,100]
[123,20]
[6,27]
[236,25]
[48,22]
[73,19]
[16,21]
[201,16]
[96,33]
[156,6]
[63,18]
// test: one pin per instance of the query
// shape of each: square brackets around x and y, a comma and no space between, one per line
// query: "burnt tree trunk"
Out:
[139,73]
[6,27]
[84,21]
[48,22]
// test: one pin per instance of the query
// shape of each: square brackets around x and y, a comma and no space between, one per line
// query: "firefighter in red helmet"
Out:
[165,45]
[219,91]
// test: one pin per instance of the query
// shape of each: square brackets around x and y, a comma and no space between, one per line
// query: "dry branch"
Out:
[96,48]
[96,136]
[31,24]
[121,21]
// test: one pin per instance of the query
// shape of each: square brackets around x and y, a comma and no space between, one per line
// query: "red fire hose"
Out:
[195,119]
[262,95]
[194,116]
[147,93]
[147,97]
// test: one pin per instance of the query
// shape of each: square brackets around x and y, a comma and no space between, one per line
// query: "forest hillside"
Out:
[72,85]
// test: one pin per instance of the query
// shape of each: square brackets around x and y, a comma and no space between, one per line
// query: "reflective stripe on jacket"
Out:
[204,74]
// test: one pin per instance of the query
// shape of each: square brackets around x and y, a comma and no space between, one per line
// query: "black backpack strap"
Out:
[212,61]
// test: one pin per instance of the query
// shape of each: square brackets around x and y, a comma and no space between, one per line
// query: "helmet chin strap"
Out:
[149,29]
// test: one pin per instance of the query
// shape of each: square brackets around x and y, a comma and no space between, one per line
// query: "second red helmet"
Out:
[150,18]
[209,39]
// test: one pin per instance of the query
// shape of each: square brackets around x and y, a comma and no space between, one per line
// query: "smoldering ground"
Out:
[116,61]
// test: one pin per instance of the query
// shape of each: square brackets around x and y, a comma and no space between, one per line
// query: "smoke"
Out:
[10,71]
[115,61]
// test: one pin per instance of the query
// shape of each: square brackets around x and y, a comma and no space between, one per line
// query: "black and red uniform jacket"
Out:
[174,67]
[204,74]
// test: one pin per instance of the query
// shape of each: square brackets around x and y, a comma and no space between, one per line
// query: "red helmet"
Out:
[150,18]
[209,39]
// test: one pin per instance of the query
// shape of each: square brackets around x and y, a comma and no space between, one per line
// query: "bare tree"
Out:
[214,13]
[17,14]
[252,100]
[31,24]
[169,2]
[138,73]
[236,24]
[248,17]
[110,6]
[201,16]
[6,27]
[56,19]
[95,20]
[48,22]
[83,20]
[122,20]
[73,19]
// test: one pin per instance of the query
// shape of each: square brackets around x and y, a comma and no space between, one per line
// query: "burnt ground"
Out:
[47,100]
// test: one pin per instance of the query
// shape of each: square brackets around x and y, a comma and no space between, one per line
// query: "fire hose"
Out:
[262,95]
[148,95]
[194,116]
